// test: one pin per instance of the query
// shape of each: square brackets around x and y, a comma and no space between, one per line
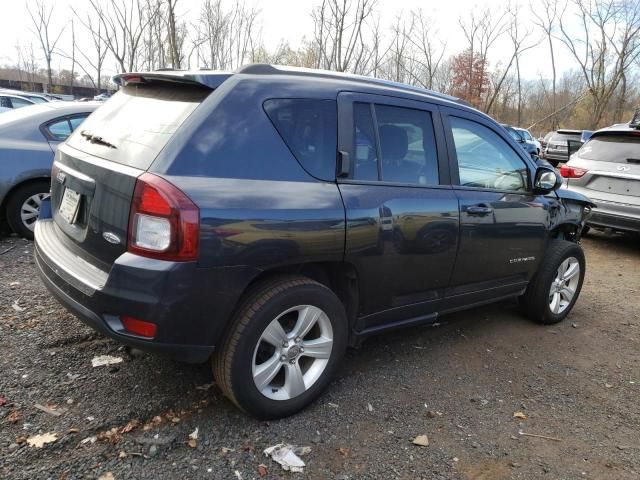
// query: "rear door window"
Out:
[309,128]
[612,148]
[138,121]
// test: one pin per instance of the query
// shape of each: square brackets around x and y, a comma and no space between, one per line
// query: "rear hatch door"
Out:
[612,164]
[95,171]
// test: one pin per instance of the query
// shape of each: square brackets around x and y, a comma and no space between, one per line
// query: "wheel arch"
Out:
[340,277]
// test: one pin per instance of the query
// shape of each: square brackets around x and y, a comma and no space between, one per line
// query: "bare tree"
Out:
[93,57]
[520,42]
[124,23]
[482,30]
[338,33]
[41,19]
[545,15]
[606,48]
[428,55]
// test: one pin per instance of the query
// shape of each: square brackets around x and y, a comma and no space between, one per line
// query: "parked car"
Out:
[517,135]
[34,97]
[557,148]
[526,134]
[544,140]
[9,102]
[607,169]
[267,219]
[28,139]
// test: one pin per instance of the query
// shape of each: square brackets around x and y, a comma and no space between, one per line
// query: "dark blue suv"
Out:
[269,218]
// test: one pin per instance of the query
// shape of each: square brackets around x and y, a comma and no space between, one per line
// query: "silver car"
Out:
[28,140]
[607,170]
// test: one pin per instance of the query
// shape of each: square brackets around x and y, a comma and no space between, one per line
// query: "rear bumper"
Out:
[554,157]
[183,300]
[606,219]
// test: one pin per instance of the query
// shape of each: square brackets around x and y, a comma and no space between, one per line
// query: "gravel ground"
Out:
[577,384]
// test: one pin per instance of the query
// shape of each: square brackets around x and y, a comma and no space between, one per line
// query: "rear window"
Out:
[563,137]
[138,120]
[309,128]
[611,148]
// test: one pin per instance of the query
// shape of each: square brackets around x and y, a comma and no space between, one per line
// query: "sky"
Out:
[290,20]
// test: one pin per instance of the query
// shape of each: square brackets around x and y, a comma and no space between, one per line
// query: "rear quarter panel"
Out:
[21,161]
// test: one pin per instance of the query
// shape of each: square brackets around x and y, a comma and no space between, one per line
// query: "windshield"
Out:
[611,148]
[137,122]
[525,134]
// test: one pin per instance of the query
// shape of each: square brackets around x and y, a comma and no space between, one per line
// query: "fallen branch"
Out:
[540,436]
[8,250]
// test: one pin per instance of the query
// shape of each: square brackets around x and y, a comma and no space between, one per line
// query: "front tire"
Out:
[555,288]
[23,207]
[283,347]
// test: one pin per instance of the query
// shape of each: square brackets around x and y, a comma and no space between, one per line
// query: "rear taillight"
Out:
[572,172]
[163,222]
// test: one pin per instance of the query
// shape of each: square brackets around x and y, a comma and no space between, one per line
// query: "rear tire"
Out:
[556,286]
[269,363]
[23,207]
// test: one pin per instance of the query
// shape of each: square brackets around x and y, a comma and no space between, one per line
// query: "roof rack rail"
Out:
[267,69]
[635,120]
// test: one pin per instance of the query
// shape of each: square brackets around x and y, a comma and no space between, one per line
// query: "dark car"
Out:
[28,141]
[269,218]
[561,144]
[607,168]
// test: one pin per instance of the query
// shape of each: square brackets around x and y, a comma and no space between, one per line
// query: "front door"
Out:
[402,214]
[503,225]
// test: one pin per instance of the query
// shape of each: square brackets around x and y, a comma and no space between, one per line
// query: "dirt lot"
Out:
[460,383]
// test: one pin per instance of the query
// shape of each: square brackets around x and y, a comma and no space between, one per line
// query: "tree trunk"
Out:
[619,112]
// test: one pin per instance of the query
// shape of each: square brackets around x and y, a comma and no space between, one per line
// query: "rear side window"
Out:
[59,130]
[612,148]
[309,128]
[138,120]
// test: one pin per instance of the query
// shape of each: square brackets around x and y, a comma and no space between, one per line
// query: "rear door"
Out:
[402,214]
[95,171]
[503,225]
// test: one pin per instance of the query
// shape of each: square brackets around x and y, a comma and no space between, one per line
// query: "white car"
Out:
[529,138]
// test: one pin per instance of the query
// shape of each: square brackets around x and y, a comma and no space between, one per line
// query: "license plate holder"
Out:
[69,205]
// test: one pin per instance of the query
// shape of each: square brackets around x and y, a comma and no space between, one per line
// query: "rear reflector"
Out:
[572,172]
[138,327]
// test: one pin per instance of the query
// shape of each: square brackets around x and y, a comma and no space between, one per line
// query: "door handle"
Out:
[479,210]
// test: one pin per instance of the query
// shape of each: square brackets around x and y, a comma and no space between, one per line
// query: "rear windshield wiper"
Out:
[633,160]
[96,139]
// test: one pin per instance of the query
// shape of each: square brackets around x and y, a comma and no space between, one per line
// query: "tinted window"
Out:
[139,120]
[76,121]
[309,128]
[59,130]
[611,148]
[365,157]
[4,102]
[485,160]
[563,137]
[19,102]
[407,145]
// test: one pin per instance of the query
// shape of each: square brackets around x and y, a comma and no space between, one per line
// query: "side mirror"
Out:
[546,180]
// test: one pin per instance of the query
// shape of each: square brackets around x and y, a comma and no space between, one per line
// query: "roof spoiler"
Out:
[203,79]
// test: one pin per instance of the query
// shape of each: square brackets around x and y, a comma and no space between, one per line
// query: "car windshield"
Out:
[611,148]
[514,134]
[525,134]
